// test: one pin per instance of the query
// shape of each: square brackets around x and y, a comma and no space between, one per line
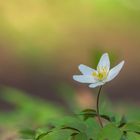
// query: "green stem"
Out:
[98,111]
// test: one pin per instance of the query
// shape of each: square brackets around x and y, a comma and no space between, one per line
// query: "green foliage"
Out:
[110,132]
[132,136]
[43,121]
[32,111]
[88,128]
[132,127]
[27,133]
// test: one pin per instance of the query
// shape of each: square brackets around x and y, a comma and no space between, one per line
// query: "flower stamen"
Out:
[101,73]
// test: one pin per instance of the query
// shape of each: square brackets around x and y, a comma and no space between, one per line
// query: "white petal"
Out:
[96,84]
[104,61]
[115,71]
[85,69]
[84,79]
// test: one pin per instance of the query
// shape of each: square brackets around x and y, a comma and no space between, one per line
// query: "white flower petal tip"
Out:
[115,71]
[105,55]
[85,69]
[104,61]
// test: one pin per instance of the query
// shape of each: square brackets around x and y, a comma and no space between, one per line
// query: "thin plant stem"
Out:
[98,110]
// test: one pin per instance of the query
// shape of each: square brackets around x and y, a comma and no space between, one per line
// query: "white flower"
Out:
[100,76]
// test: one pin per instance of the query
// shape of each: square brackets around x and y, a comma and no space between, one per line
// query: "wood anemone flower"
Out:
[98,77]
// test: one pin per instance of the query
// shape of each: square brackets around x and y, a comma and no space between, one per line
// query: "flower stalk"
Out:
[98,109]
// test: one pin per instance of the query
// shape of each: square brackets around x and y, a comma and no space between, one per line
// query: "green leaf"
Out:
[110,132]
[123,121]
[58,135]
[80,136]
[70,122]
[70,128]
[133,136]
[64,128]
[55,132]
[39,136]
[132,126]
[93,128]
[27,134]
[90,113]
[123,138]
[106,117]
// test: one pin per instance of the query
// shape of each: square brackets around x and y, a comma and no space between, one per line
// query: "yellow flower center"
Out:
[101,73]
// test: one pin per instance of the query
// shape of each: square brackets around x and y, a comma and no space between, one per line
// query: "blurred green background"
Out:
[43,41]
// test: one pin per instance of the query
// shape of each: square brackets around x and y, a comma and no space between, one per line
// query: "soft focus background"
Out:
[43,41]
